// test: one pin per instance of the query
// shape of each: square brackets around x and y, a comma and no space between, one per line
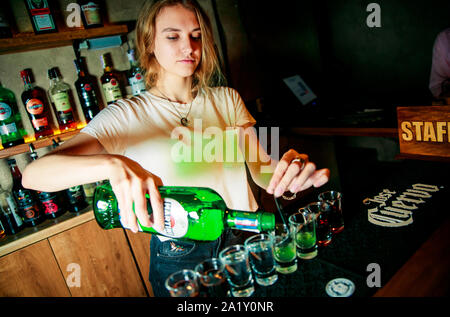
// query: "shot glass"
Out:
[260,252]
[237,270]
[332,199]
[211,274]
[303,226]
[183,284]
[323,229]
[284,249]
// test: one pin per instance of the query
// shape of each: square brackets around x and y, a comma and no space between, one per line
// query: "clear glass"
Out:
[237,270]
[323,229]
[183,284]
[211,274]
[284,249]
[260,252]
[303,226]
[333,203]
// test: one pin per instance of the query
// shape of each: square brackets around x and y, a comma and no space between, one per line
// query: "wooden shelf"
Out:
[40,143]
[48,228]
[29,41]
[348,131]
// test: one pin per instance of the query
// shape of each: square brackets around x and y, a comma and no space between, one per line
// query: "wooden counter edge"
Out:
[46,233]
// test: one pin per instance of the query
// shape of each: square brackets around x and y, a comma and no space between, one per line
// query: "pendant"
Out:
[184,122]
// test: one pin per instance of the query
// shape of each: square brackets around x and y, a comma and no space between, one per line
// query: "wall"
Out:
[344,61]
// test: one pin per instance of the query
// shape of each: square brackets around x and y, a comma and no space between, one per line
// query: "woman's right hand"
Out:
[130,182]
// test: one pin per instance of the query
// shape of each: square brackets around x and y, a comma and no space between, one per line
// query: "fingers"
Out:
[157,217]
[295,175]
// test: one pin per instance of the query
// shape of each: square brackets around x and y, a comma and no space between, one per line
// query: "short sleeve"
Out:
[440,68]
[110,128]
[242,115]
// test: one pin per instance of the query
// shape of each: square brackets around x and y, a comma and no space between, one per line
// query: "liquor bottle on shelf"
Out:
[11,128]
[26,199]
[134,74]
[191,213]
[36,103]
[42,18]
[9,214]
[5,25]
[110,80]
[62,101]
[53,204]
[90,13]
[75,195]
[86,92]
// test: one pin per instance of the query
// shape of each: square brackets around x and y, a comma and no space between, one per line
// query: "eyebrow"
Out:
[178,30]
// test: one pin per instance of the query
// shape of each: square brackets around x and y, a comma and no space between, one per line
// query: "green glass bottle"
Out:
[191,213]
[11,128]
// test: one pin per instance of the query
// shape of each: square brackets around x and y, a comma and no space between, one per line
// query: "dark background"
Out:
[349,65]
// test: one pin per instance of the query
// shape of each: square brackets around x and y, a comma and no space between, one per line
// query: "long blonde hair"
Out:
[208,72]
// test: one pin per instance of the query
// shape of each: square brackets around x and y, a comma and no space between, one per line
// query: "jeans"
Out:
[167,257]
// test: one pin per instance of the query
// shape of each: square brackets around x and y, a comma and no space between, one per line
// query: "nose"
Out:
[187,46]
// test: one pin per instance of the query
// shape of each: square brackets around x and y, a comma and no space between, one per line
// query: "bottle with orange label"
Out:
[110,80]
[36,103]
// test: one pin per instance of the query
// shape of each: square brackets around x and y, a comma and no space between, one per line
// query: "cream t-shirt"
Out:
[147,129]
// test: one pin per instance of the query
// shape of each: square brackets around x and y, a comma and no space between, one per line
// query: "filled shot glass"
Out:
[336,218]
[260,253]
[237,270]
[284,249]
[211,274]
[182,284]
[323,228]
[303,226]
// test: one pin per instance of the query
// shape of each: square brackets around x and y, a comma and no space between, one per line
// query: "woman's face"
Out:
[177,45]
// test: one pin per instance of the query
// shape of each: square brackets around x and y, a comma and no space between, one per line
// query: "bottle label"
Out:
[137,84]
[246,224]
[176,221]
[39,123]
[35,106]
[91,13]
[42,17]
[5,111]
[112,91]
[8,129]
[62,102]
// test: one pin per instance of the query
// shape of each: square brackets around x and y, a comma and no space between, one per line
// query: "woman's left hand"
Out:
[294,173]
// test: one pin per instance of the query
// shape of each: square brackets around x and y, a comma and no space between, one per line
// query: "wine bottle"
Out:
[25,198]
[134,74]
[11,128]
[41,16]
[90,13]
[12,222]
[192,213]
[36,103]
[62,101]
[86,92]
[110,80]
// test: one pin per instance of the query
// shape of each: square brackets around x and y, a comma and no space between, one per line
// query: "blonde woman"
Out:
[130,143]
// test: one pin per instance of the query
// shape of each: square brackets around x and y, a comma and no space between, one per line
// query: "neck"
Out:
[175,89]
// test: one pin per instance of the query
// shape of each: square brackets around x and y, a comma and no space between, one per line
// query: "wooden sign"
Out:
[424,130]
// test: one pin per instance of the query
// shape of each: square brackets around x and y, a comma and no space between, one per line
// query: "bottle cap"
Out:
[267,221]
[340,287]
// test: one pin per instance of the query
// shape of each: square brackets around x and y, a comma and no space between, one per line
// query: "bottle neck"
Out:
[15,172]
[249,221]
[27,83]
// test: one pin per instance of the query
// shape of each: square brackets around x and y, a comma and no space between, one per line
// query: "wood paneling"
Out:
[106,264]
[140,244]
[32,272]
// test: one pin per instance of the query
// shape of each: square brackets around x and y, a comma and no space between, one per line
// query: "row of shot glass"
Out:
[263,256]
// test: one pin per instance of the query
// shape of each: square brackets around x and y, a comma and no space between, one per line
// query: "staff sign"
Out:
[424,130]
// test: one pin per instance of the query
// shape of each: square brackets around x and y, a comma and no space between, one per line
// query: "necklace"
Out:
[183,119]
